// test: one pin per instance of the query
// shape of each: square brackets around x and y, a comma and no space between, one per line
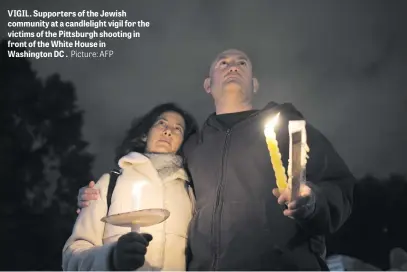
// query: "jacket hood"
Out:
[286,109]
[133,159]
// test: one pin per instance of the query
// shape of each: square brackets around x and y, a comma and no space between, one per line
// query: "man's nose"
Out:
[233,67]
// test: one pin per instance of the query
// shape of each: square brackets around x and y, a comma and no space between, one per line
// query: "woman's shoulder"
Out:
[103,181]
[131,159]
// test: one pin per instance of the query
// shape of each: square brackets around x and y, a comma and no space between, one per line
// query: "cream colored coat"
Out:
[89,246]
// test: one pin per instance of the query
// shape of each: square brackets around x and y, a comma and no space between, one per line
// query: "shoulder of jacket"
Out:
[190,144]
[103,183]
[287,111]
[131,159]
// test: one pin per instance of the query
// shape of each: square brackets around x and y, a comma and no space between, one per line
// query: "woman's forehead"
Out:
[172,116]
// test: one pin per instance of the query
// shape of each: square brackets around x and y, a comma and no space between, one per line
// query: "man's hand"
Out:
[302,207]
[86,194]
[130,250]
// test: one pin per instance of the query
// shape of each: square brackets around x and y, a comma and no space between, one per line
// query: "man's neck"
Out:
[232,108]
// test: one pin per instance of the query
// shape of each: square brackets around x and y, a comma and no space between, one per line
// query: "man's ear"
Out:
[255,83]
[207,85]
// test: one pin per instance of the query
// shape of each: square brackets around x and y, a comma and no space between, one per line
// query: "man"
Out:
[239,224]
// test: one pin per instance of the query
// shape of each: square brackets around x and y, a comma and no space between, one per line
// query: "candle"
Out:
[137,194]
[272,145]
[137,198]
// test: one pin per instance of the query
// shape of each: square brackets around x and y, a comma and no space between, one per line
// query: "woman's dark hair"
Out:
[135,136]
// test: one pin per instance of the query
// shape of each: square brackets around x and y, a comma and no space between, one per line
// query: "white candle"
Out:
[137,194]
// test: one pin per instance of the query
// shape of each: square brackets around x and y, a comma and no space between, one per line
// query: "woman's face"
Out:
[167,133]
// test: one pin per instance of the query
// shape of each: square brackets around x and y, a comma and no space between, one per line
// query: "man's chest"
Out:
[237,158]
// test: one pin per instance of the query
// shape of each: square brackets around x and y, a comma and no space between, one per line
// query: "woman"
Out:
[151,158]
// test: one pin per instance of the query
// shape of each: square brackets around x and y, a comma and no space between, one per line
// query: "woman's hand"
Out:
[129,252]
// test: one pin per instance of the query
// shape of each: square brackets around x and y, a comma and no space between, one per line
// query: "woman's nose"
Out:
[167,131]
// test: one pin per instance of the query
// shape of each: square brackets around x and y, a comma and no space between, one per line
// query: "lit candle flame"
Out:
[269,128]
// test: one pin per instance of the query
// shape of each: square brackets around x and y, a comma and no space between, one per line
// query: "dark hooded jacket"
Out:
[238,224]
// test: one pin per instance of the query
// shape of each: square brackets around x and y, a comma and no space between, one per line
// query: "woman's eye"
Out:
[243,63]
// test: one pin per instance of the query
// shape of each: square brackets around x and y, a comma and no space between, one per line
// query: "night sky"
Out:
[342,63]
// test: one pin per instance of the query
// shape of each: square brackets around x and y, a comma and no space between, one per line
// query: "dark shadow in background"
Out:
[43,162]
[378,222]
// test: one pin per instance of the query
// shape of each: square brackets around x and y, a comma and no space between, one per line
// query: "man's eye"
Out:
[243,63]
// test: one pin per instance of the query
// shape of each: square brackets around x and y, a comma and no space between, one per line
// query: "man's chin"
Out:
[232,85]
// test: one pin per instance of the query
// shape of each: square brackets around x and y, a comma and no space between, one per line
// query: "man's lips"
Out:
[232,77]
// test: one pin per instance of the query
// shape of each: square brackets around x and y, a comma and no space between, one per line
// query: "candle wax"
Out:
[279,170]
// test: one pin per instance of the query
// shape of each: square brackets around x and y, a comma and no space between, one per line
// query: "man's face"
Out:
[231,74]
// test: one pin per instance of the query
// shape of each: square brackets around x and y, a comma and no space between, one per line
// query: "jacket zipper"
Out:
[217,211]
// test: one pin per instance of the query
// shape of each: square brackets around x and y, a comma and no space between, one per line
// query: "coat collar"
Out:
[144,166]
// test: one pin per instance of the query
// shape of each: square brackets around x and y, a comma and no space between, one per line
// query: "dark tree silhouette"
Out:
[378,222]
[43,162]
